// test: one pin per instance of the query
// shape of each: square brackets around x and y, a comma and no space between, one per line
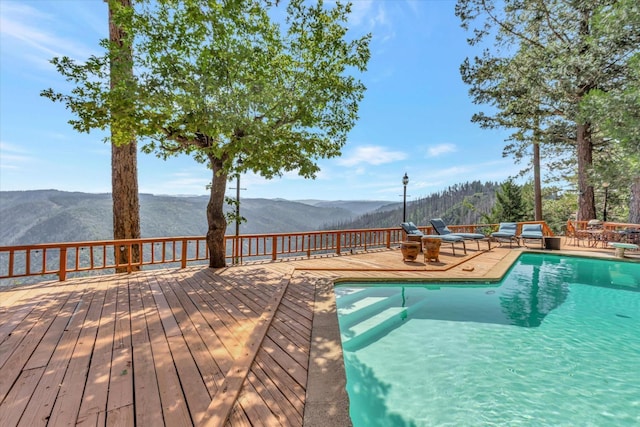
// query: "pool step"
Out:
[366,308]
[373,328]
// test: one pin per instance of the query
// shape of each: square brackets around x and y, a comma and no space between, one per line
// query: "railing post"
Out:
[339,242]
[308,245]
[274,248]
[62,274]
[183,255]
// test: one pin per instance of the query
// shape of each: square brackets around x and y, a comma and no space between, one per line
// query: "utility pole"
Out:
[236,255]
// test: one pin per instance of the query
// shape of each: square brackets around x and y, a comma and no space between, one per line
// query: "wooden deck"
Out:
[252,345]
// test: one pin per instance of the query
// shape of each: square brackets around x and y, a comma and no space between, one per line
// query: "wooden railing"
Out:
[613,226]
[60,259]
[603,233]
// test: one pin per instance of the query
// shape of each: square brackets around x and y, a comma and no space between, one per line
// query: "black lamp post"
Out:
[405,181]
[606,193]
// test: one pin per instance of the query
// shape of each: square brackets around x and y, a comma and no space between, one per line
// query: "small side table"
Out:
[431,248]
[410,250]
[414,238]
[552,243]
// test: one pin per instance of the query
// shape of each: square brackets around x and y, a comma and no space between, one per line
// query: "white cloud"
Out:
[5,146]
[13,156]
[438,150]
[25,34]
[373,155]
[360,10]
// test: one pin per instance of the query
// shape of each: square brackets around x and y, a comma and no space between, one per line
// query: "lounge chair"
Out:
[441,228]
[532,232]
[506,233]
[411,230]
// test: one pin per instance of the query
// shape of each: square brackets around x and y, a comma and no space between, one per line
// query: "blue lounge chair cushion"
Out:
[532,231]
[410,228]
[506,230]
[442,229]
[447,237]
[501,235]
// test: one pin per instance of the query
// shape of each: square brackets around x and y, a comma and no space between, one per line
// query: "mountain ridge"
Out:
[51,216]
[54,216]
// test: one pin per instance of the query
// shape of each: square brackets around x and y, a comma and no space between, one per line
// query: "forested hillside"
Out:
[50,216]
[458,204]
[46,216]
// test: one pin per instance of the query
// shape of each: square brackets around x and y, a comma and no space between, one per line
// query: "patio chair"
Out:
[575,235]
[506,233]
[441,228]
[411,230]
[532,232]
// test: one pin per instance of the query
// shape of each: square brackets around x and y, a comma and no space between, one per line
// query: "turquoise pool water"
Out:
[556,343]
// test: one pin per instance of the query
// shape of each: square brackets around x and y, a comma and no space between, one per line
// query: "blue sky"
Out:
[415,116]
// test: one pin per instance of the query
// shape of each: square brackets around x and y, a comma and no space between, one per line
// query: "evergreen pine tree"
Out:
[509,206]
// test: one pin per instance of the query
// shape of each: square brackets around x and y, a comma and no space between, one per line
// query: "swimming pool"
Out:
[555,343]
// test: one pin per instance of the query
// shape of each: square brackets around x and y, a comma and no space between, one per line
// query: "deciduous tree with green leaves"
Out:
[218,80]
[546,56]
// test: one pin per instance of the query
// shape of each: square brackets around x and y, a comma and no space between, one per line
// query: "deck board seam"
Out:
[223,402]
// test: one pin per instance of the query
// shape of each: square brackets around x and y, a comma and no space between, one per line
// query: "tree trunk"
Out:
[124,161]
[634,203]
[537,187]
[216,221]
[586,197]
[126,206]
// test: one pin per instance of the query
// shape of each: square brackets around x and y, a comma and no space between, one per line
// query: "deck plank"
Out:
[96,390]
[62,336]
[174,407]
[67,404]
[13,406]
[121,376]
[14,320]
[220,341]
[254,406]
[195,328]
[19,357]
[273,397]
[18,333]
[148,408]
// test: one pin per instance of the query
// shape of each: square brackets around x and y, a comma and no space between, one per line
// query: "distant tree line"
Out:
[458,204]
[485,203]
